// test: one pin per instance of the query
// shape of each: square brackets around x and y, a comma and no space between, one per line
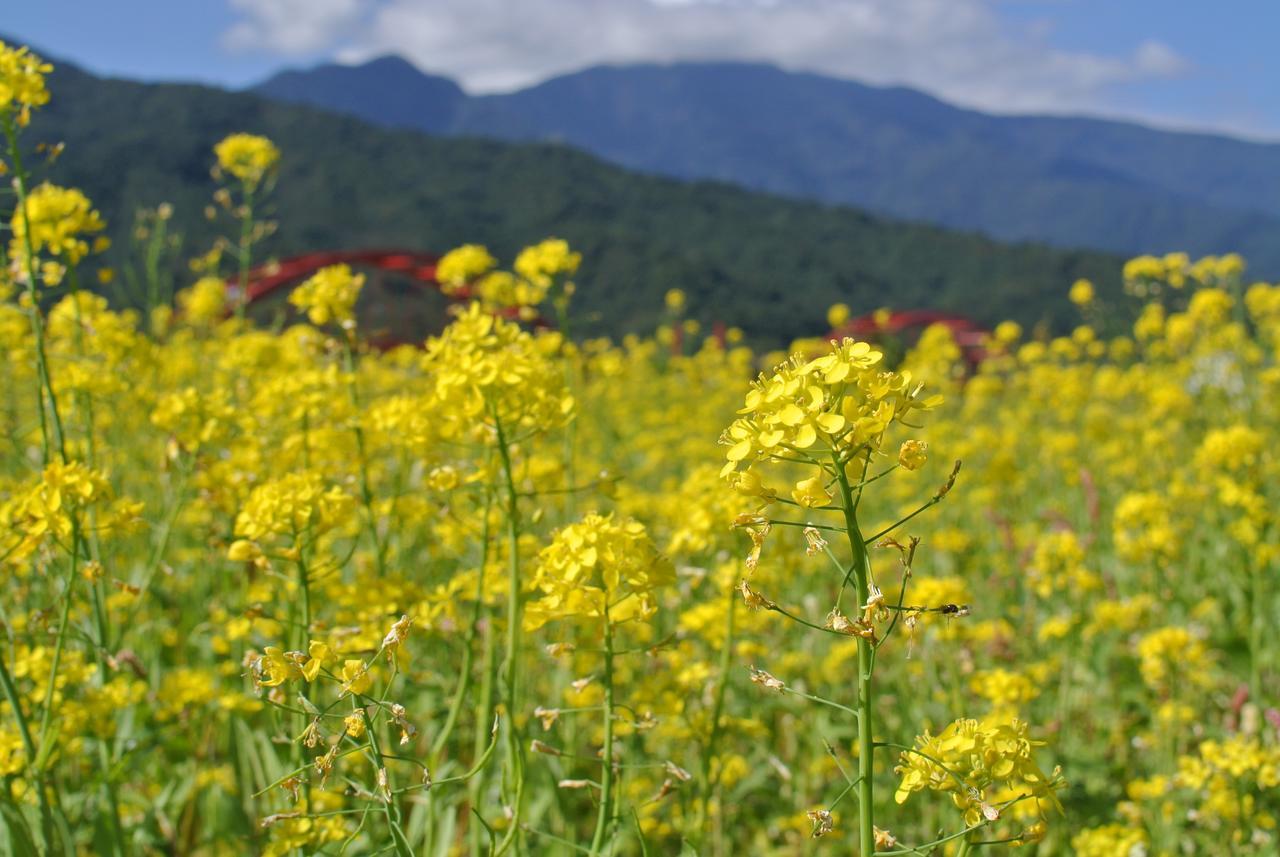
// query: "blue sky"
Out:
[1185,63]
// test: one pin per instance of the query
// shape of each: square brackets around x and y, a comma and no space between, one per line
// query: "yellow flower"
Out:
[1109,840]
[205,302]
[22,76]
[1171,655]
[839,398]
[354,724]
[482,367]
[318,654]
[293,505]
[1081,293]
[329,295]
[810,492]
[974,761]
[913,454]
[462,265]
[595,563]
[1007,333]
[248,157]
[355,677]
[675,300]
[277,666]
[58,218]
[543,262]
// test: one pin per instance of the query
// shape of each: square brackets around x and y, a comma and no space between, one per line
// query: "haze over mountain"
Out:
[769,264]
[1068,181]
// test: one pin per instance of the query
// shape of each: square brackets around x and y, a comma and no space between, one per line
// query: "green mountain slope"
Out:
[768,264]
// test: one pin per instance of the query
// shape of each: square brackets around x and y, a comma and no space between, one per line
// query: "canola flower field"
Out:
[271,591]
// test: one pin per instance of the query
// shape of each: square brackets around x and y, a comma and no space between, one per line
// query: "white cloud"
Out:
[290,27]
[960,50]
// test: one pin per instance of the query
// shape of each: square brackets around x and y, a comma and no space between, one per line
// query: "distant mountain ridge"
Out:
[1068,181]
[389,91]
[768,264]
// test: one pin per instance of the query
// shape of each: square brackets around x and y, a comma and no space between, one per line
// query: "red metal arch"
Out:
[416,266]
[273,276]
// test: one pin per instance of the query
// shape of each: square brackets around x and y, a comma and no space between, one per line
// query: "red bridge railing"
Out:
[273,276]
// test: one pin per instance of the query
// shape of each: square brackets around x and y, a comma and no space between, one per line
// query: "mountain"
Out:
[389,92]
[769,264]
[1068,181]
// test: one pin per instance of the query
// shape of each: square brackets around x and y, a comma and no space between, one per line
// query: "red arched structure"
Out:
[419,268]
[268,278]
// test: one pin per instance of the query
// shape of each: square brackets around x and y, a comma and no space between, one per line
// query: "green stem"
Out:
[606,776]
[366,491]
[1255,628]
[468,655]
[480,837]
[60,640]
[862,579]
[389,806]
[24,729]
[515,747]
[37,326]
[245,254]
[305,586]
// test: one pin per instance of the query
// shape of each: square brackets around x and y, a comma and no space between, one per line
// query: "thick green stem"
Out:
[366,490]
[468,654]
[484,714]
[606,751]
[862,582]
[511,670]
[304,585]
[37,325]
[245,252]
[1256,659]
[24,729]
[390,808]
[59,641]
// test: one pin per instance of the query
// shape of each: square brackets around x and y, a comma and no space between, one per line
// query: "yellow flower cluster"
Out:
[205,302]
[840,400]
[1173,657]
[1226,778]
[461,265]
[329,295]
[248,157]
[1081,293]
[599,568]
[1144,275]
[54,506]
[1006,690]
[297,505]
[1143,528]
[1109,840]
[194,418]
[984,765]
[542,263]
[537,270]
[55,220]
[486,370]
[22,76]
